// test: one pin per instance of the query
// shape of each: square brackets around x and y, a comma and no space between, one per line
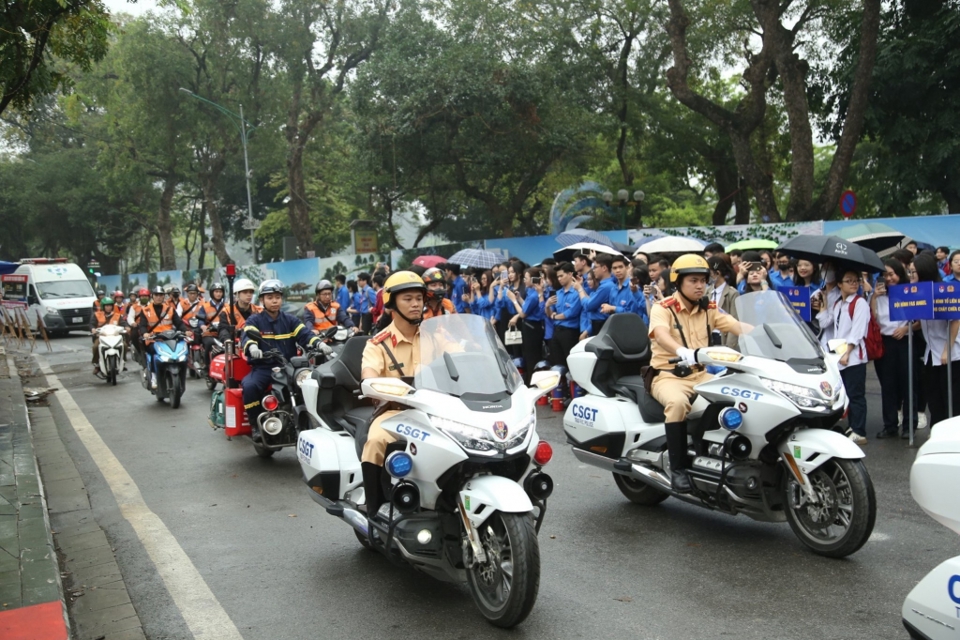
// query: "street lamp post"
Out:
[624,201]
[250,224]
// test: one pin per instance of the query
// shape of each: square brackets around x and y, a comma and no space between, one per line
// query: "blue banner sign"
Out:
[799,298]
[911,301]
[946,301]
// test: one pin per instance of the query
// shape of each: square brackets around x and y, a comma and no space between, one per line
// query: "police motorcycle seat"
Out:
[339,403]
[622,348]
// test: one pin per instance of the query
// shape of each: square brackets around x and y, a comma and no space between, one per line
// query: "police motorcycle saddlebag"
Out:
[330,466]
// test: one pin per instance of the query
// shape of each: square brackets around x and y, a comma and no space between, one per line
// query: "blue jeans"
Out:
[855,383]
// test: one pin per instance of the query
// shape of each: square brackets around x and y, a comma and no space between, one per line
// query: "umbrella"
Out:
[566,253]
[820,248]
[429,261]
[583,235]
[475,258]
[670,244]
[873,235]
[625,249]
[752,244]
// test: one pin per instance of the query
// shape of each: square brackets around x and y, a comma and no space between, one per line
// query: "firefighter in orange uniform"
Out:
[108,314]
[323,312]
[437,303]
[157,317]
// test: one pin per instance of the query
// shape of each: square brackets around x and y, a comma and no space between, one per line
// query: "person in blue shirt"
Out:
[622,298]
[268,330]
[953,264]
[342,293]
[366,302]
[583,265]
[564,308]
[458,286]
[482,296]
[605,292]
[779,276]
[529,317]
[551,286]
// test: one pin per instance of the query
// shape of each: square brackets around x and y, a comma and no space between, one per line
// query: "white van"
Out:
[59,292]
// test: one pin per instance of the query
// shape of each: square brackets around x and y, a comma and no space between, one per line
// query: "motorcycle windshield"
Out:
[776,330]
[460,355]
[110,330]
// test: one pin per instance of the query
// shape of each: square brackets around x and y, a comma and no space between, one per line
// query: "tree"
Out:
[74,31]
[318,44]
[778,62]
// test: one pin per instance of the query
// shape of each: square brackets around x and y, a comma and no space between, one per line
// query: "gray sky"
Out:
[133,8]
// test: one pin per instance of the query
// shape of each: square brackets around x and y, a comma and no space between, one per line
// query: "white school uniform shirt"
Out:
[887,326]
[852,330]
[936,333]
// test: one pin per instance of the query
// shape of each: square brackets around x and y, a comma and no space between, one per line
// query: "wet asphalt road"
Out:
[283,569]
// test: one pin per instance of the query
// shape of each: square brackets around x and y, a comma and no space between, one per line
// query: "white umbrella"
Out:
[670,244]
[583,247]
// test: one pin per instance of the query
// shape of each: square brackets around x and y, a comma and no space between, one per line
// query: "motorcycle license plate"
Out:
[77,320]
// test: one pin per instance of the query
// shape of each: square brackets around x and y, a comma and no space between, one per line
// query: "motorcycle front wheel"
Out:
[505,587]
[842,519]
[175,388]
[112,367]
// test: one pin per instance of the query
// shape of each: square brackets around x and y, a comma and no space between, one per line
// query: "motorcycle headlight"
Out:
[164,357]
[803,397]
[302,376]
[477,440]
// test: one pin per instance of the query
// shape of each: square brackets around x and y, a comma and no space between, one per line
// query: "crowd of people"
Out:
[556,304]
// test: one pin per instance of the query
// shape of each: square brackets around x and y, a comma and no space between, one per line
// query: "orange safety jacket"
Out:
[158,324]
[189,309]
[101,319]
[323,320]
[211,314]
[446,308]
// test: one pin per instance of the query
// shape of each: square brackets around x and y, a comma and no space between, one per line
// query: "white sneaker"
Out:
[857,439]
[899,417]
[922,421]
[153,381]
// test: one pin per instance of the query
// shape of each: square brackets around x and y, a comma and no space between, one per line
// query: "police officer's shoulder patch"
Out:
[383,335]
[712,305]
[666,303]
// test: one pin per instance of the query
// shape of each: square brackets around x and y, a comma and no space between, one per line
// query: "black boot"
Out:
[372,486]
[676,433]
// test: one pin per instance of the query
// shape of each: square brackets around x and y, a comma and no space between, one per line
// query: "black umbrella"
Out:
[820,248]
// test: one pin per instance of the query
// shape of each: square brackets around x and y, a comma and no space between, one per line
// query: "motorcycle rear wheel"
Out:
[638,491]
[843,520]
[505,587]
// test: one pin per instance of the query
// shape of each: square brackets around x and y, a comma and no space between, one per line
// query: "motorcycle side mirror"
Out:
[328,333]
[837,346]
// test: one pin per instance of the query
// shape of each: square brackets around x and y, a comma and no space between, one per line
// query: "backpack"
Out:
[873,340]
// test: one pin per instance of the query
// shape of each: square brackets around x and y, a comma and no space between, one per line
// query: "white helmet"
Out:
[244,285]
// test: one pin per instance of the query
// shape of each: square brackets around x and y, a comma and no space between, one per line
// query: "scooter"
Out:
[465,489]
[762,442]
[932,609]
[196,361]
[170,364]
[111,351]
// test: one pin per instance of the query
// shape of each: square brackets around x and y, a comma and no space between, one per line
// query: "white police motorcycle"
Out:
[110,351]
[466,492]
[932,609]
[761,441]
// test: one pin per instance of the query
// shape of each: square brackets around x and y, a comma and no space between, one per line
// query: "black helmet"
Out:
[158,290]
[191,287]
[217,285]
[101,292]
[270,286]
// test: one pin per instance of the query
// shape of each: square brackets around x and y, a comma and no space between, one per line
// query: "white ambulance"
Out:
[58,292]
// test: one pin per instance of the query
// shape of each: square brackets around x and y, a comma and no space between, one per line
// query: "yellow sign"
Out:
[365,241]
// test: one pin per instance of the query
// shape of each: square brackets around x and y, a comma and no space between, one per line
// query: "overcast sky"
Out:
[134,8]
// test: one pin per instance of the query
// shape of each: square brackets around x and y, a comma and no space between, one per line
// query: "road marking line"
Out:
[199,607]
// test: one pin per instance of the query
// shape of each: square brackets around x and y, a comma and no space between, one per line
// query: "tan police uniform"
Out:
[376,356]
[674,393]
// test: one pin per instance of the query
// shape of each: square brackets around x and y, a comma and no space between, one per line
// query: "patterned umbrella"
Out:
[475,258]
[671,244]
[429,261]
[583,235]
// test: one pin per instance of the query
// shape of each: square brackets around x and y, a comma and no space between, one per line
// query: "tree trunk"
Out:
[952,197]
[758,180]
[202,258]
[208,183]
[826,204]
[297,133]
[168,254]
[727,182]
[793,76]
[742,200]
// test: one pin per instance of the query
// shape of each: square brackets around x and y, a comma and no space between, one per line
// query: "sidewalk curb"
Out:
[38,619]
[95,595]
